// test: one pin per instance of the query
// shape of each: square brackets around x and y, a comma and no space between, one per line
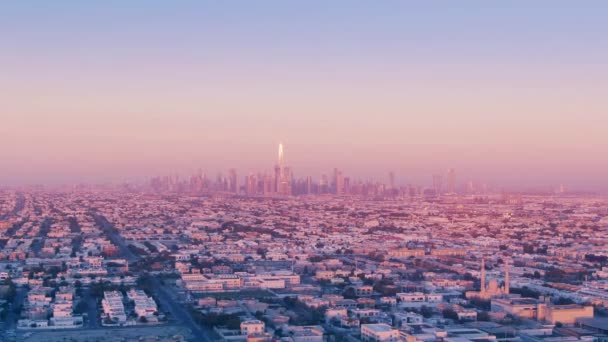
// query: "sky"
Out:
[510,93]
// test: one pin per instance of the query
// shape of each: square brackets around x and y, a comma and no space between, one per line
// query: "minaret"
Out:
[483,275]
[507,276]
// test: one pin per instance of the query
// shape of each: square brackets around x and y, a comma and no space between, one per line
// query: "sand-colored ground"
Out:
[140,334]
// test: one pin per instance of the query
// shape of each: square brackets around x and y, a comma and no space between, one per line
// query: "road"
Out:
[165,296]
[38,243]
[18,208]
[19,205]
[92,314]
[178,311]
[12,316]
[115,237]
[10,323]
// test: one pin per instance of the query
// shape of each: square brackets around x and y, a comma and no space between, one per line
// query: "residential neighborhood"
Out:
[306,268]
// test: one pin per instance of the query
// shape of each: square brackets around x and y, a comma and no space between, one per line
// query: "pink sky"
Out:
[82,102]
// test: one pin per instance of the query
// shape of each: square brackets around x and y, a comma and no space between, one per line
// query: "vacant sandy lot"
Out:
[158,333]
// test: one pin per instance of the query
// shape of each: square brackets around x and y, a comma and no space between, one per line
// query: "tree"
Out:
[426,311]
[315,258]
[350,293]
[525,292]
[375,256]
[563,301]
[449,313]
[480,303]
[555,274]
[81,307]
[483,316]
[11,291]
[386,287]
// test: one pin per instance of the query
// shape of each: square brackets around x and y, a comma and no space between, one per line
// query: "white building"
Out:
[378,332]
[312,333]
[252,327]
[113,307]
[144,306]
[416,299]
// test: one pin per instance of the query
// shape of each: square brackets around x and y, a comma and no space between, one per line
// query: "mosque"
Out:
[492,289]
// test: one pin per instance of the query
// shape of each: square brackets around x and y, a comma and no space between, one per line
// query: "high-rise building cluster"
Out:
[283,182]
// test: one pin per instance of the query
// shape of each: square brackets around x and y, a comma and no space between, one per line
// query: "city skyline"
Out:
[440,181]
[283,180]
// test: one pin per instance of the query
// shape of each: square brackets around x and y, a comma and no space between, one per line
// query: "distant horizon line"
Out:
[492,189]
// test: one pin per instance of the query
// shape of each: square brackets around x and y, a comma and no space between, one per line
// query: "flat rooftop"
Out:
[379,327]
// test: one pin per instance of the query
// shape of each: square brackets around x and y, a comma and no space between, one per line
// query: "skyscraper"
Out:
[286,181]
[339,183]
[323,184]
[277,179]
[451,181]
[232,181]
[308,185]
[280,155]
[334,181]
[470,188]
[268,184]
[347,185]
[437,180]
[282,175]
[251,184]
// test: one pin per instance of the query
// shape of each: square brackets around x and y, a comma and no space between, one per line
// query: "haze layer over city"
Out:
[303,171]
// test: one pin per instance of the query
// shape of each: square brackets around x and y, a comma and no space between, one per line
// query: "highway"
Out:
[116,239]
[10,323]
[178,311]
[92,310]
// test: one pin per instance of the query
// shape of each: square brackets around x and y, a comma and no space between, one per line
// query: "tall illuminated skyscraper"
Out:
[282,175]
[280,155]
[278,171]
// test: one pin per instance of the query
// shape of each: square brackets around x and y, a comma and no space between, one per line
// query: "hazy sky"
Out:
[512,92]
